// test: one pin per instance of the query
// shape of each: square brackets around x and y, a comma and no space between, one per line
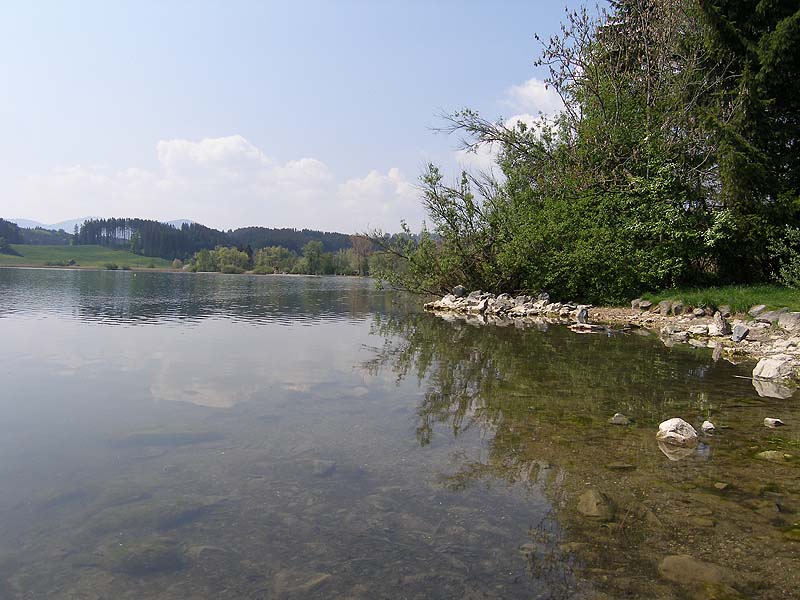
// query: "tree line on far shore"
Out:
[311,260]
[675,161]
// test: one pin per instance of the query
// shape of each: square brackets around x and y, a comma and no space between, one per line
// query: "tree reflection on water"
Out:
[541,397]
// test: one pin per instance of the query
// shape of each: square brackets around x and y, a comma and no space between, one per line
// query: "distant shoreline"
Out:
[166,270]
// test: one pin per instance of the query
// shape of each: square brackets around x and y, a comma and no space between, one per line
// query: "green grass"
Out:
[84,256]
[739,297]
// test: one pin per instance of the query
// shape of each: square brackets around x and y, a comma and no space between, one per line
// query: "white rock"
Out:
[677,432]
[778,366]
[773,423]
[619,419]
[707,427]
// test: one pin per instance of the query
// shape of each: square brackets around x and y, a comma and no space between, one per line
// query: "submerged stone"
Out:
[685,569]
[145,557]
[774,456]
[298,583]
[595,505]
[792,534]
[621,466]
[323,468]
[152,515]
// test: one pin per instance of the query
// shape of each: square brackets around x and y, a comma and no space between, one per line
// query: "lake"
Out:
[169,435]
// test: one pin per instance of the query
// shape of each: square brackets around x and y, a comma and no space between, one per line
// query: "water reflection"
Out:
[134,298]
[542,402]
[177,436]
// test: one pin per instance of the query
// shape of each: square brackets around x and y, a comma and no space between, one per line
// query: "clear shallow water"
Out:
[208,436]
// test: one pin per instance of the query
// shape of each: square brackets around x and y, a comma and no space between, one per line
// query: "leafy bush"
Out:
[230,269]
[111,266]
[786,250]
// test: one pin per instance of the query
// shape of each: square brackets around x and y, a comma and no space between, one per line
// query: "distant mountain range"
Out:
[69,225]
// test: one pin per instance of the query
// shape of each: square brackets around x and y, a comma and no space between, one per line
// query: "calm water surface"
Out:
[207,436]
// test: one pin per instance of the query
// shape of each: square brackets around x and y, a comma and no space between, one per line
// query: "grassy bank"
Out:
[84,256]
[739,297]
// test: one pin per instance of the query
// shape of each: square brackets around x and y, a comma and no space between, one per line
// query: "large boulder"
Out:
[757,310]
[459,291]
[778,366]
[645,304]
[664,307]
[677,308]
[677,432]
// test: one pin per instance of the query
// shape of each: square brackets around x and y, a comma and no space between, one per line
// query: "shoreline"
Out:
[168,270]
[771,339]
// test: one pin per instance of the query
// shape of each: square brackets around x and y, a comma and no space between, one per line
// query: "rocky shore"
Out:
[771,337]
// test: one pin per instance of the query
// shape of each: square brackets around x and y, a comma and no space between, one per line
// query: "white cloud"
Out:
[533,97]
[390,197]
[222,182]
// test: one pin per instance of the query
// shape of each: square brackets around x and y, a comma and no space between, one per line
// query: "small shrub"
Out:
[787,250]
[111,266]
[177,263]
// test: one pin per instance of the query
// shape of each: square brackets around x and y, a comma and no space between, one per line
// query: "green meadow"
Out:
[84,256]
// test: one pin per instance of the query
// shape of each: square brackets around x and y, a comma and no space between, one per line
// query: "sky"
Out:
[279,114]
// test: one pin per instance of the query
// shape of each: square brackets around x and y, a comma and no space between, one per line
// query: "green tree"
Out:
[312,252]
[274,259]
[661,169]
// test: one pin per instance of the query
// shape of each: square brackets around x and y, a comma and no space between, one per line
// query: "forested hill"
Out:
[153,238]
[291,239]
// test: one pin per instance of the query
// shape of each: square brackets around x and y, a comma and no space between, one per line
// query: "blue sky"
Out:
[306,114]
